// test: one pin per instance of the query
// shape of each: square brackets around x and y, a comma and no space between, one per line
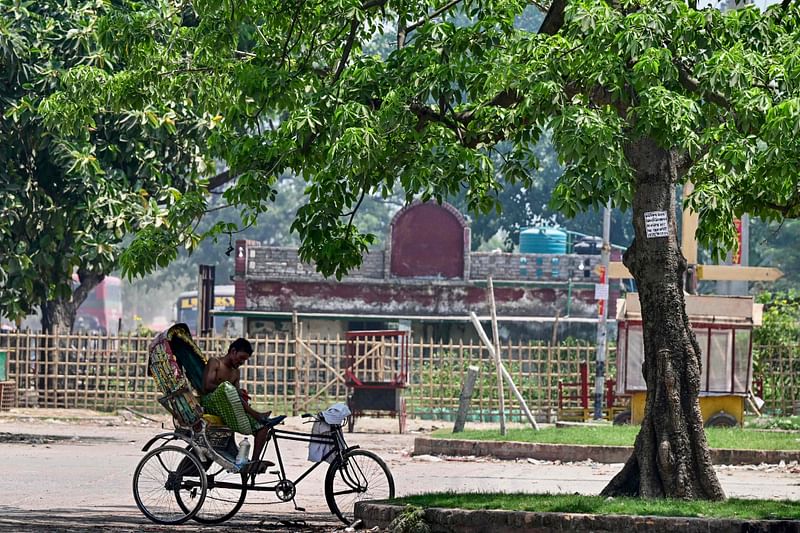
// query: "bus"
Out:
[101,311]
[186,311]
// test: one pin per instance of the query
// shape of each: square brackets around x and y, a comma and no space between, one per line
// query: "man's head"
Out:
[239,351]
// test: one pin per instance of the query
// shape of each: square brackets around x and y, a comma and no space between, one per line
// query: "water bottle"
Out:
[244,453]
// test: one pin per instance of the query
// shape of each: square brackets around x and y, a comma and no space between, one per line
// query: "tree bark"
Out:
[59,315]
[60,312]
[671,458]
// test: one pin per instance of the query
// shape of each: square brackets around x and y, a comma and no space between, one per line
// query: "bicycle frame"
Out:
[338,447]
[195,472]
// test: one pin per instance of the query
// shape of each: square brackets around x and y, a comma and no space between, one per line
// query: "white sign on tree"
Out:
[655,223]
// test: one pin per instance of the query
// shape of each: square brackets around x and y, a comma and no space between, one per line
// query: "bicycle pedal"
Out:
[275,472]
[301,509]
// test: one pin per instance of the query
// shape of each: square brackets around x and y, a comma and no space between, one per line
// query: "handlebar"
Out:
[274,421]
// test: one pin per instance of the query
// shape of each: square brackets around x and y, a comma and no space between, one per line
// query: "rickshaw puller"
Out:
[222,396]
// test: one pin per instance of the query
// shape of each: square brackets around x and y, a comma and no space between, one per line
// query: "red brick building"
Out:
[426,279]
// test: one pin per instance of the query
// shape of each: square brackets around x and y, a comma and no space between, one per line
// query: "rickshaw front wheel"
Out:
[359,476]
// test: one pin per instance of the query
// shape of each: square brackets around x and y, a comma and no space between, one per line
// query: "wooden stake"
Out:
[751,400]
[554,336]
[463,401]
[511,385]
[496,337]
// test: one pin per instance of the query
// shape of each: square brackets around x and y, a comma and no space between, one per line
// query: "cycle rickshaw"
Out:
[190,473]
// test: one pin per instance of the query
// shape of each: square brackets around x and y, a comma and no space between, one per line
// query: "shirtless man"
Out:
[222,396]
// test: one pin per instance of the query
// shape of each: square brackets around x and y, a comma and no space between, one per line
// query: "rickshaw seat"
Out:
[176,364]
[213,420]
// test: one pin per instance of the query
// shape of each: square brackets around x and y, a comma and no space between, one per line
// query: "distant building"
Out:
[426,280]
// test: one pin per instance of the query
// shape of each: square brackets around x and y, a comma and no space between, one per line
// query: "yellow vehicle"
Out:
[185,311]
[723,326]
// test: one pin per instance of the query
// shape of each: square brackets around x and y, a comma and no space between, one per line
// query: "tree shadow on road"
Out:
[126,519]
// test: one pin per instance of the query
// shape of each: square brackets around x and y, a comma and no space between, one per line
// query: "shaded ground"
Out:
[71,470]
[28,438]
[120,520]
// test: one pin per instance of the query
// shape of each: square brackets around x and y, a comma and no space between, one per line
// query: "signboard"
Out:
[655,223]
[601,291]
[219,302]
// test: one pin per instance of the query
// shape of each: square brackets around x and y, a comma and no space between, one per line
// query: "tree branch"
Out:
[432,15]
[401,35]
[684,161]
[220,179]
[539,6]
[348,47]
[188,70]
[457,124]
[789,210]
[554,19]
[285,51]
[426,114]
[692,84]
[88,281]
[352,214]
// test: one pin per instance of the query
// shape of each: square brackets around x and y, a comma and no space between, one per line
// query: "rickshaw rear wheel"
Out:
[225,493]
[163,476]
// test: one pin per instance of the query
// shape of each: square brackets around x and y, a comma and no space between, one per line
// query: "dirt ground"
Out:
[72,470]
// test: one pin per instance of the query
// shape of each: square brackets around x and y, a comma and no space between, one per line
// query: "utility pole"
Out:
[601,295]
[205,299]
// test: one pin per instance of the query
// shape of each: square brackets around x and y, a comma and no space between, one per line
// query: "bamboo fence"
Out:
[776,378]
[293,375]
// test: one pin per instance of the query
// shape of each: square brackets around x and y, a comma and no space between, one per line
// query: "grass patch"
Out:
[791,423]
[608,435]
[576,503]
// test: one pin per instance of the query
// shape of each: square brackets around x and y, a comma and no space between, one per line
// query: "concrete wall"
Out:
[534,267]
[416,299]
[268,262]
[379,515]
[426,269]
[272,262]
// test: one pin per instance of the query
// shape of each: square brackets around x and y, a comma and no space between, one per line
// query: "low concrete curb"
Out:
[462,521]
[573,453]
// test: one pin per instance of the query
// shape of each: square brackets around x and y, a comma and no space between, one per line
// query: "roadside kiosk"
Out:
[376,374]
[723,326]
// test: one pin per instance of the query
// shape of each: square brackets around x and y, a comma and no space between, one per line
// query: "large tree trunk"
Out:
[60,313]
[671,458]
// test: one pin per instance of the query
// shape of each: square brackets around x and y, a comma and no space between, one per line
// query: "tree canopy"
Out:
[292,88]
[638,96]
[78,172]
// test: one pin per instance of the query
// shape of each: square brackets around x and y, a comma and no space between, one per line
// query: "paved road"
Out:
[77,476]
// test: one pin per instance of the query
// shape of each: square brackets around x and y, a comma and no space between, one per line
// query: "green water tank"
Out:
[542,240]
